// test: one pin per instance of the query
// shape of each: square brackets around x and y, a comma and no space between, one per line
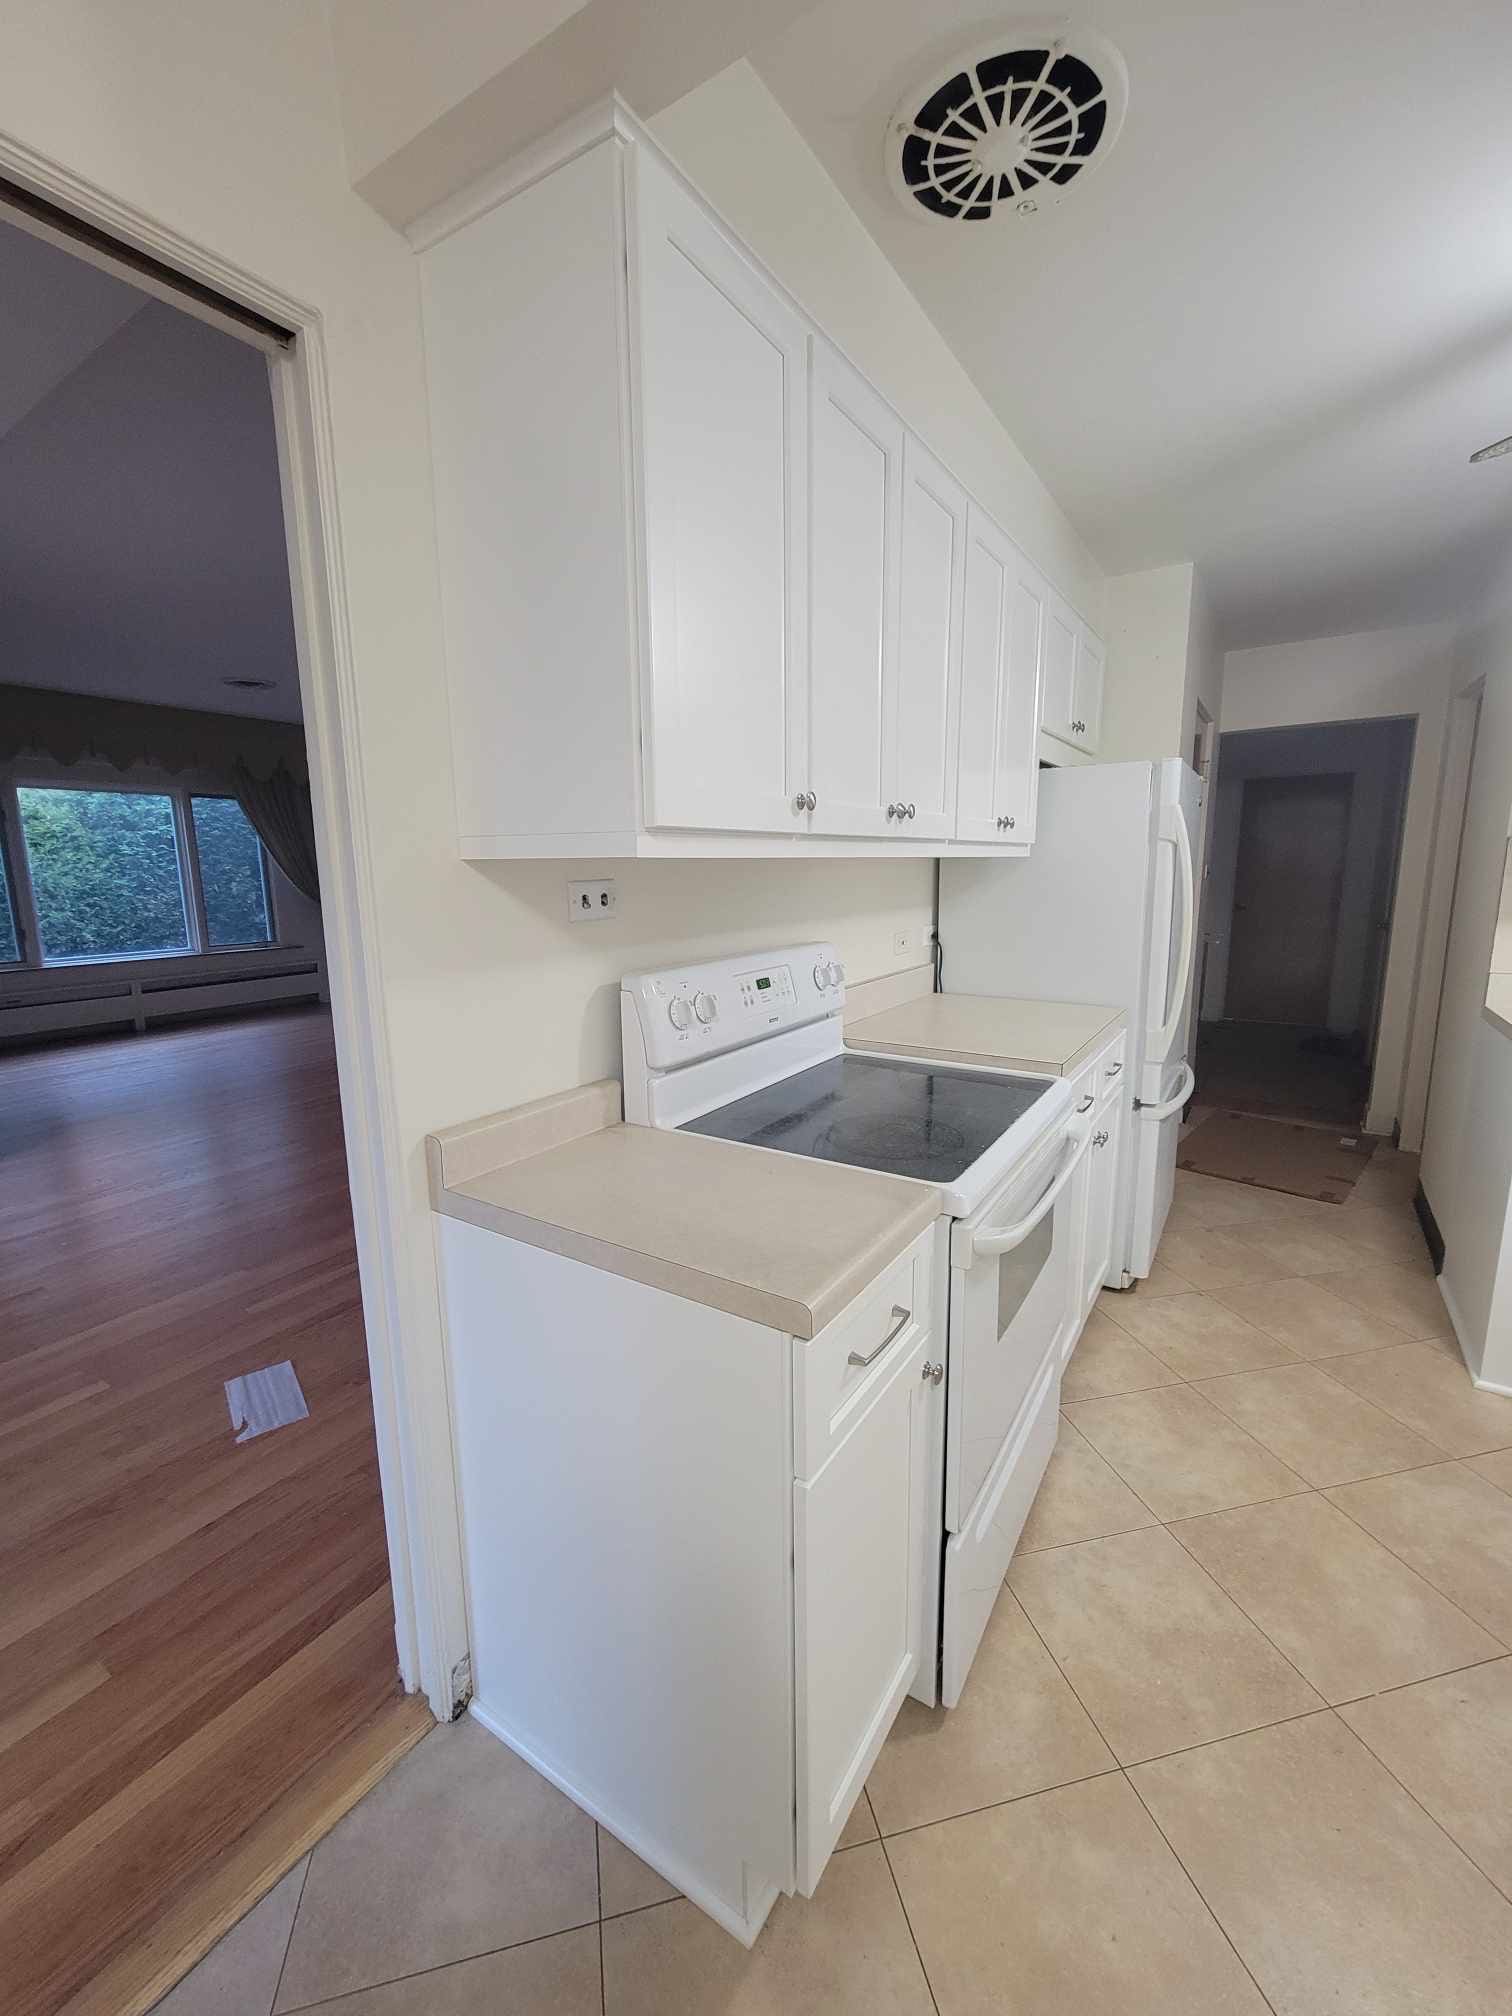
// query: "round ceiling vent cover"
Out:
[1010,126]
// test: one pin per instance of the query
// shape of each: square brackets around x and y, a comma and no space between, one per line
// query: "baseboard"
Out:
[668,1867]
[1490,1386]
[1430,1226]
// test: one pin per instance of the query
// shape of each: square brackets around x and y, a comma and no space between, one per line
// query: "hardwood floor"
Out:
[189,1629]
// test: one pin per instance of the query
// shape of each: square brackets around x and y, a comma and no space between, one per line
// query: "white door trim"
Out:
[415,1455]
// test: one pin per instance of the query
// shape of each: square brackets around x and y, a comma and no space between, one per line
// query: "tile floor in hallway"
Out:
[1239,1737]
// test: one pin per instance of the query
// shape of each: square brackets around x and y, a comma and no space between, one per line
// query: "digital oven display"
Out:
[763,983]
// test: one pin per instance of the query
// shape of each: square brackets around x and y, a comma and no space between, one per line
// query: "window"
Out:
[124,874]
[231,874]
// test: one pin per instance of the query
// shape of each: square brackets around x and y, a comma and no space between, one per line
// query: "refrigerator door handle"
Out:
[1166,1107]
[1174,831]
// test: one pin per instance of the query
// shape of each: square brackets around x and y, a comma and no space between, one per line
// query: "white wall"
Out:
[1164,657]
[1373,757]
[1364,676]
[1467,1146]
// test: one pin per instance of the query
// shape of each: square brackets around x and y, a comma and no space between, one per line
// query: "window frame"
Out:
[15,864]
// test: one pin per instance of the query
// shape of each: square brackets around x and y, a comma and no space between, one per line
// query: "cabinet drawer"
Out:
[882,1326]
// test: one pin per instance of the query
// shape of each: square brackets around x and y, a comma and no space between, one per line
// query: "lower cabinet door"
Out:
[860,1527]
[1102,1193]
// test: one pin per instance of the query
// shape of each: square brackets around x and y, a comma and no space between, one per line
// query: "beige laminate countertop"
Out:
[1050,1036]
[783,1240]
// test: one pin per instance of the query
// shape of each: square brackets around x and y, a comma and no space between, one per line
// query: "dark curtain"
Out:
[278,807]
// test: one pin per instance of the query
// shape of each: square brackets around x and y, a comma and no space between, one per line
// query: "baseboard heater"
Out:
[77,1007]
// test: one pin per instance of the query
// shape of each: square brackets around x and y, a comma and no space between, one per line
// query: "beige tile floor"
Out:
[1238,1739]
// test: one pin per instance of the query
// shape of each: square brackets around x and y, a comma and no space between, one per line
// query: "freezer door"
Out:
[1153,1161]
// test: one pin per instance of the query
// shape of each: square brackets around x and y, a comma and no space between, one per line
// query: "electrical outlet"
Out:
[903,944]
[592,899]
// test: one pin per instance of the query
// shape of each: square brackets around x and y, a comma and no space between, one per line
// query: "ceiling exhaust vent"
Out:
[1010,126]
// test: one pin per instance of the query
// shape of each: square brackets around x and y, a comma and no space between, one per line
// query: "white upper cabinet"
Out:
[723,397]
[924,722]
[855,510]
[1001,675]
[1073,679]
[702,591]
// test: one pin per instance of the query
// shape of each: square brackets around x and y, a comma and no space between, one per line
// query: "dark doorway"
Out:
[1285,920]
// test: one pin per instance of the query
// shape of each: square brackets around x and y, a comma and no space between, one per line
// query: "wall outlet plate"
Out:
[586,900]
[903,944]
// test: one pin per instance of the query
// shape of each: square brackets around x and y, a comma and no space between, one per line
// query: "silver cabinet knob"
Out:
[912,811]
[895,811]
[932,1374]
[813,802]
[800,801]
[1010,822]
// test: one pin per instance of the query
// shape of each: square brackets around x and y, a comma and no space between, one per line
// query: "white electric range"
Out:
[751,1049]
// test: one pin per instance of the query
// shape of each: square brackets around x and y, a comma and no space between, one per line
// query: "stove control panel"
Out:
[683,1013]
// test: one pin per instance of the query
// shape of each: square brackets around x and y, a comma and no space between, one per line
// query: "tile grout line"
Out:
[1443,1594]
[440,1967]
[913,1936]
[1371,1751]
[293,1922]
[1197,1889]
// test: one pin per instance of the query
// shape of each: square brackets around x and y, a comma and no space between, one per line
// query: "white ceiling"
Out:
[141,526]
[1268,333]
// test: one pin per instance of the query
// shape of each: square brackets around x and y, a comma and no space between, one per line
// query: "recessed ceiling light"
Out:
[251,685]
[1496,448]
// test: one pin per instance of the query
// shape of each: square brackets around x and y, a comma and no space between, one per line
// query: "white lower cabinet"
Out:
[702,1555]
[860,1528]
[1102,1191]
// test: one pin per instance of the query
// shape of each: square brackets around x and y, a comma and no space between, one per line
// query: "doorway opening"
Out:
[197,1619]
[1307,835]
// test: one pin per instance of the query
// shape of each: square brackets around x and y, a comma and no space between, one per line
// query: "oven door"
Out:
[1011,1295]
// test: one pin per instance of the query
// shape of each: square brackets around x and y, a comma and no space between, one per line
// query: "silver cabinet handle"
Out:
[901,1319]
[932,1374]
[1086,1104]
[1100,1139]
[1114,1069]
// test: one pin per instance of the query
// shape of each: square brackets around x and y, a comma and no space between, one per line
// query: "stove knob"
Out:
[836,974]
[705,1007]
[821,975]
[679,1014]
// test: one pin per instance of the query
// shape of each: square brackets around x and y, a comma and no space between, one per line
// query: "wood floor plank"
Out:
[197,1662]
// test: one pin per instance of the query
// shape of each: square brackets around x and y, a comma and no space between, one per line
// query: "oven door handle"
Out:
[986,1244]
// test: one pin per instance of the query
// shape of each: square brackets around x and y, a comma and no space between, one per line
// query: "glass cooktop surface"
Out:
[898,1116]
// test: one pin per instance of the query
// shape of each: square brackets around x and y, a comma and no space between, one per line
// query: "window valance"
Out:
[73,727]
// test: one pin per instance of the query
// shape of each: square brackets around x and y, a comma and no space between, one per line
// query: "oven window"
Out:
[1019,1270]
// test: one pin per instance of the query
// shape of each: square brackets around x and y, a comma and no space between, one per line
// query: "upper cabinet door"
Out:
[855,506]
[925,719]
[1061,628]
[1019,704]
[1088,689]
[1003,636]
[723,441]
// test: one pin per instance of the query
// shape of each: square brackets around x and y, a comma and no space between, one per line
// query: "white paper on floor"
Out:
[271,1398]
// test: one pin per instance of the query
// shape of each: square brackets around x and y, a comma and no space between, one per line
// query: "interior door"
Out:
[859,1531]
[723,444]
[1292,837]
[925,719]
[855,512]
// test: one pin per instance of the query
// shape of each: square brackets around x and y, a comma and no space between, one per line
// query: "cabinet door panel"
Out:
[859,1531]
[1060,670]
[989,573]
[1102,1191]
[723,441]
[1017,781]
[856,478]
[1088,691]
[923,738]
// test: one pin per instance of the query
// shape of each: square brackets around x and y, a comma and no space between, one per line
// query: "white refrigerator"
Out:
[1103,910]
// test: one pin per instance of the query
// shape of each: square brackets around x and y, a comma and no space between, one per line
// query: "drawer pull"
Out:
[1114,1069]
[901,1319]
[1086,1104]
